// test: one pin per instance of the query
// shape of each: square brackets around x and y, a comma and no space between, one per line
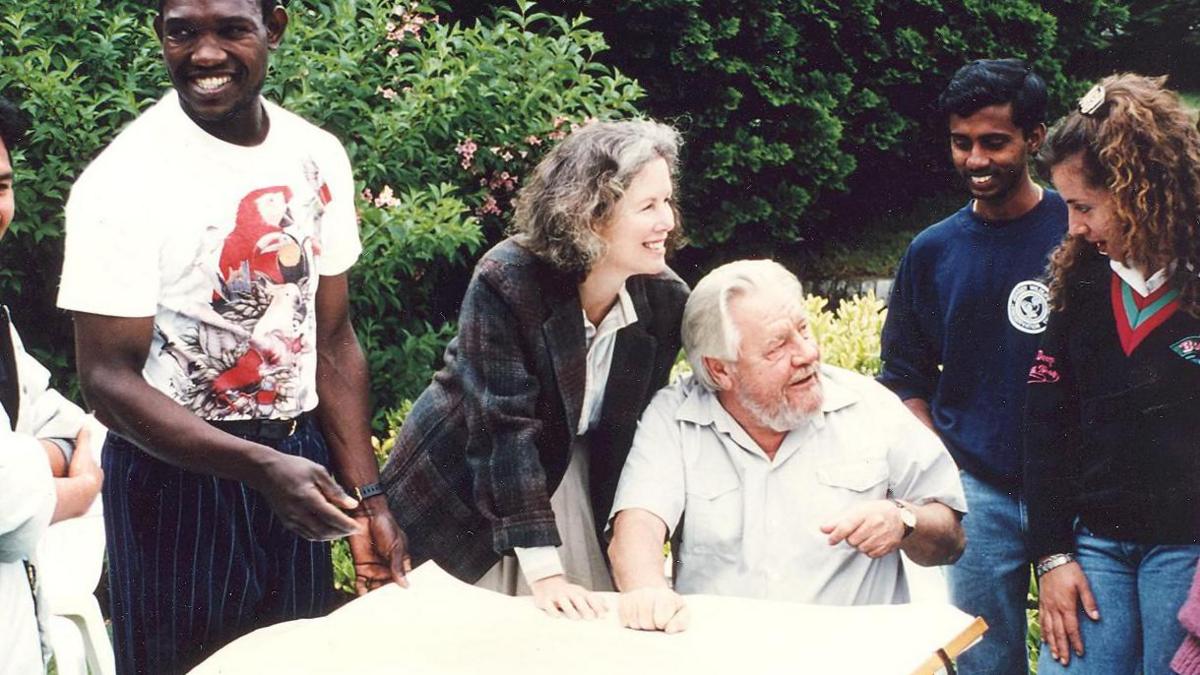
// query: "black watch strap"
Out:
[366,491]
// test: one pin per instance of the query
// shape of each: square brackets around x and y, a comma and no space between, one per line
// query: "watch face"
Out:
[908,518]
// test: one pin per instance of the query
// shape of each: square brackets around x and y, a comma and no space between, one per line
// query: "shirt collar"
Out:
[622,314]
[1141,285]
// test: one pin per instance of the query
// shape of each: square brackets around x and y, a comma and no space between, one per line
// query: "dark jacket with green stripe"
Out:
[488,441]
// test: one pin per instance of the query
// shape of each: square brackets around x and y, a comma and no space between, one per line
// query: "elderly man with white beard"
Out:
[775,476]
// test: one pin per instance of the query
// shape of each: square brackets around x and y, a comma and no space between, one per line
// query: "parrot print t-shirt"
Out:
[224,246]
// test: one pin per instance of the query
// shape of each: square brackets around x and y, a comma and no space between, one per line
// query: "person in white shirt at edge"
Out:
[47,472]
[794,480]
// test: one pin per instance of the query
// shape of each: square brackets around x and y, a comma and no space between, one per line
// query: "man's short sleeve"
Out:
[921,469]
[111,258]
[340,244]
[653,477]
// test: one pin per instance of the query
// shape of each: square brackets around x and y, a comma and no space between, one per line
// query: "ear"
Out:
[719,372]
[1035,138]
[277,22]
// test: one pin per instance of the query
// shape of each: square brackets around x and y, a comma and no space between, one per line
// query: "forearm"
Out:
[636,550]
[938,538]
[344,412]
[75,494]
[58,460]
[128,405]
[920,409]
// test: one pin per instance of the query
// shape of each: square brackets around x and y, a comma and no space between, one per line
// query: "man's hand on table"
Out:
[653,608]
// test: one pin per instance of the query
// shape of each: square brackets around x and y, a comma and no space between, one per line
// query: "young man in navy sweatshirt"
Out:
[963,325]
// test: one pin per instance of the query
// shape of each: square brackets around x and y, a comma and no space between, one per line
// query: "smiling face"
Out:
[991,153]
[216,52]
[775,381]
[636,234]
[1091,212]
[7,200]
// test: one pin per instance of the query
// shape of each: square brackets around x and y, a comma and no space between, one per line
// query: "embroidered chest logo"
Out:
[1188,348]
[1043,370]
[1136,316]
[1029,306]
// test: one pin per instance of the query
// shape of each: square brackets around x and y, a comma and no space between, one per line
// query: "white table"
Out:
[441,626]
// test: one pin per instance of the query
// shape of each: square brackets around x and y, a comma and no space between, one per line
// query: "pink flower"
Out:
[386,198]
[466,149]
[489,206]
[533,140]
[559,119]
[387,92]
[410,22]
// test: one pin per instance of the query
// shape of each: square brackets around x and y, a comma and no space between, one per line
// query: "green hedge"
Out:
[805,118]
[441,122]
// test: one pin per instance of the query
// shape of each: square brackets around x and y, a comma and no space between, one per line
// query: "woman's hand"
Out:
[1060,592]
[558,597]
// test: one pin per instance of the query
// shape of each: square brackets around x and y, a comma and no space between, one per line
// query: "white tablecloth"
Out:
[441,626]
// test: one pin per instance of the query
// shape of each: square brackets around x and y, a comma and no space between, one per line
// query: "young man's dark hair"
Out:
[12,124]
[988,82]
[267,6]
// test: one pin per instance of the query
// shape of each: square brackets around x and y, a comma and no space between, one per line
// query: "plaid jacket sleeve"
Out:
[500,393]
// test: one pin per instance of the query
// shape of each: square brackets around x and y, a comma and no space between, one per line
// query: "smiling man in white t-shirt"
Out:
[206,258]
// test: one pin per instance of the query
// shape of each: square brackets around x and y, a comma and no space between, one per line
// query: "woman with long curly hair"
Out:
[505,470]
[1112,423]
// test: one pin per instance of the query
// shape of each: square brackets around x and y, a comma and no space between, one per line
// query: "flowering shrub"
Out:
[441,121]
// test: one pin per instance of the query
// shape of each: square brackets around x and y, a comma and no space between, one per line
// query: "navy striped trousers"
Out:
[196,561]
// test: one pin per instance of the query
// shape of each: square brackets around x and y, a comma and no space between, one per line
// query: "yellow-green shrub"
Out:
[849,337]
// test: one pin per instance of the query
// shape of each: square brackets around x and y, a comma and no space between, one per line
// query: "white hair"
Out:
[707,329]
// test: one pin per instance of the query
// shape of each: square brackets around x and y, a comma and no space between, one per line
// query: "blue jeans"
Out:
[991,579]
[1139,589]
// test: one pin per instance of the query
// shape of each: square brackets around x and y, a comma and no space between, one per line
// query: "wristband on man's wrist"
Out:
[1052,561]
[363,492]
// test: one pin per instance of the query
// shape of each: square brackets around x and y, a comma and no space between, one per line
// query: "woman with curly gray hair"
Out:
[505,470]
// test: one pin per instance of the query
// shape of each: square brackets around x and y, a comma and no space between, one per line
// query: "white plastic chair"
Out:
[926,584]
[70,561]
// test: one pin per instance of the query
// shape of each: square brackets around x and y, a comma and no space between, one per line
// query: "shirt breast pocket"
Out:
[712,516]
[846,484]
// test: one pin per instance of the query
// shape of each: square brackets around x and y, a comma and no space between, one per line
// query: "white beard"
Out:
[781,417]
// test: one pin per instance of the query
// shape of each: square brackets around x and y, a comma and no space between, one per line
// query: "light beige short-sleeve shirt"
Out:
[750,525]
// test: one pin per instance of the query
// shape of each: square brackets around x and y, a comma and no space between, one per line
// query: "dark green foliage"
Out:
[80,69]
[1162,37]
[440,122]
[790,105]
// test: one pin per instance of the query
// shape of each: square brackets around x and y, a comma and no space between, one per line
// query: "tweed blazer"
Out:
[487,443]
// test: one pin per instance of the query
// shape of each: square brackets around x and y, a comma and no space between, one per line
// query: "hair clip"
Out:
[1091,101]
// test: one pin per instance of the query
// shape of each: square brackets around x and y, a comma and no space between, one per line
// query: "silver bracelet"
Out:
[1051,561]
